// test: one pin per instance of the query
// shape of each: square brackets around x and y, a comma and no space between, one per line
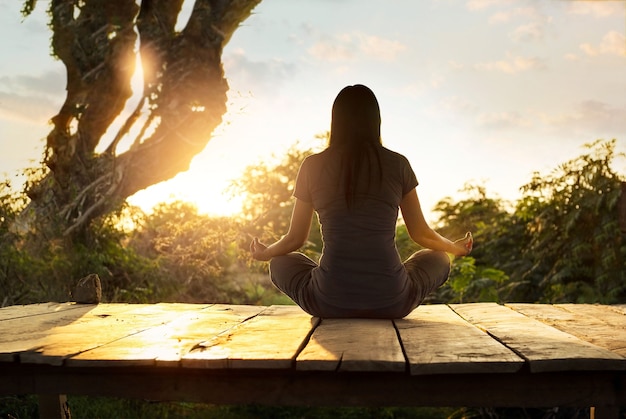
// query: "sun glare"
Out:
[223,160]
[210,172]
[201,186]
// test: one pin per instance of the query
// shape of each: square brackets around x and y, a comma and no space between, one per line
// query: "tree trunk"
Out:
[183,100]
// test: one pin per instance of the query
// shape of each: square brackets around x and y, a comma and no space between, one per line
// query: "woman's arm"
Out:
[294,239]
[422,234]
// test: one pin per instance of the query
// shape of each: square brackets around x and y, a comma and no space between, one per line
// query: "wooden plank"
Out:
[599,325]
[284,387]
[544,347]
[612,317]
[619,307]
[103,324]
[437,341]
[21,333]
[165,344]
[353,345]
[20,311]
[270,340]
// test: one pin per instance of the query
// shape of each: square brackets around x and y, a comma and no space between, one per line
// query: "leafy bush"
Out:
[560,243]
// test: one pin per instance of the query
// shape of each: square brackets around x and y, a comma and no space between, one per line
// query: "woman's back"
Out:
[360,266]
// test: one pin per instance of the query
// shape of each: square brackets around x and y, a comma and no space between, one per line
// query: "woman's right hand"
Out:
[259,251]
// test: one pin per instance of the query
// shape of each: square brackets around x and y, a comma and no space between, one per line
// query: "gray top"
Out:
[360,267]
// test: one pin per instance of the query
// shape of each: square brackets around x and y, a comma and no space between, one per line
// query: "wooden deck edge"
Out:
[573,389]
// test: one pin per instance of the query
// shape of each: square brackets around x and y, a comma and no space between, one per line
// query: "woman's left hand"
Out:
[465,244]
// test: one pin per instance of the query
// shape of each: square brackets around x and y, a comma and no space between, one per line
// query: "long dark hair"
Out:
[355,133]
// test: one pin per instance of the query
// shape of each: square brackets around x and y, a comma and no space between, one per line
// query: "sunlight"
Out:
[125,143]
[210,172]
[246,136]
[208,196]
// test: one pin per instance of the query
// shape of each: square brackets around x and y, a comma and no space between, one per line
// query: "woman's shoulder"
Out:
[318,158]
[315,161]
[394,156]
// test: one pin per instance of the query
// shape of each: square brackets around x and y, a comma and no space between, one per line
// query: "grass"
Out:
[23,407]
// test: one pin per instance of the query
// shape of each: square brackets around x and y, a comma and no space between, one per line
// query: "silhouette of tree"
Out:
[182,101]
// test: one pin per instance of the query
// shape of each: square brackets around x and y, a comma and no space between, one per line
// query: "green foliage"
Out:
[46,270]
[560,243]
[22,407]
[469,282]
[576,251]
[28,7]
[479,277]
[492,226]
[405,245]
[268,191]
[193,249]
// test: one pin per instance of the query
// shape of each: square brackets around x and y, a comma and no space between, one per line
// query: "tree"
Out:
[194,252]
[486,217]
[560,243]
[268,203]
[183,100]
[480,276]
[576,252]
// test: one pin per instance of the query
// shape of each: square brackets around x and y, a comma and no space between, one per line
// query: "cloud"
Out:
[613,43]
[33,99]
[418,88]
[597,9]
[474,5]
[509,14]
[347,47]
[263,77]
[458,104]
[512,64]
[333,51]
[597,118]
[455,65]
[50,83]
[379,48]
[531,31]
[502,120]
[32,109]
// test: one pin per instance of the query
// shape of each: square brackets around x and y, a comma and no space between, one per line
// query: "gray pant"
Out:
[291,273]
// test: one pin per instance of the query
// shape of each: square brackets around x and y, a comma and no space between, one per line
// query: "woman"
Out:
[356,187]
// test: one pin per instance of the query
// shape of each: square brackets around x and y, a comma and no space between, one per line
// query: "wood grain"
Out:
[270,340]
[459,355]
[353,345]
[437,341]
[25,328]
[544,347]
[21,311]
[166,343]
[100,325]
[601,326]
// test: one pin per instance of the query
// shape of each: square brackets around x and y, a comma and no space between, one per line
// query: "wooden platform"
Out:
[522,355]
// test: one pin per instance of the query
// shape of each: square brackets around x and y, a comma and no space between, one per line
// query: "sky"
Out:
[471,91]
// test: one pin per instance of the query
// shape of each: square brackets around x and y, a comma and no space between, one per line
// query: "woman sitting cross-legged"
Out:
[356,186]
